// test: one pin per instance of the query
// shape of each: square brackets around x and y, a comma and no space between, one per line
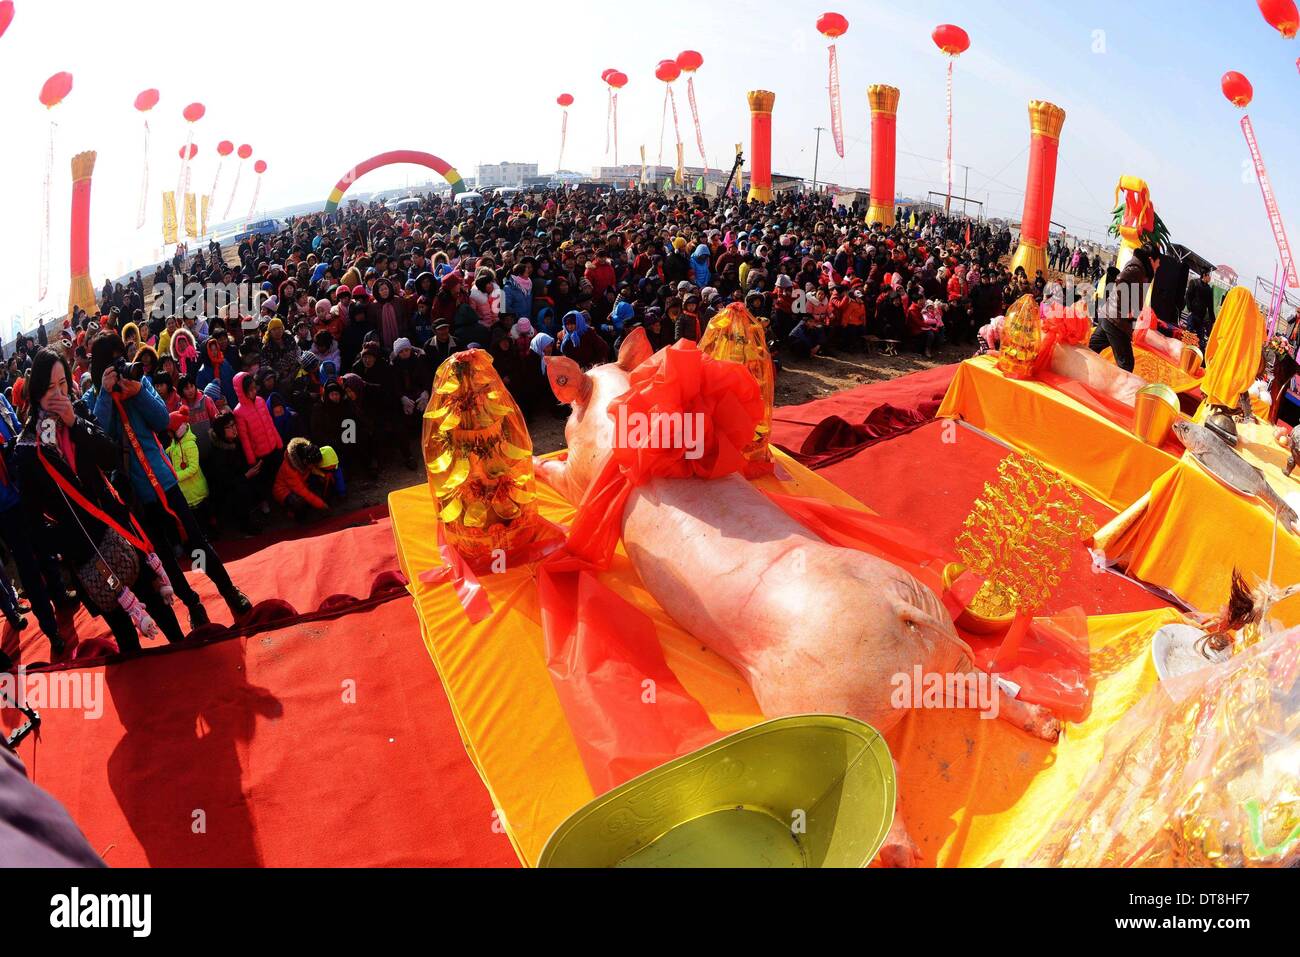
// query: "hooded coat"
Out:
[257,432]
[700,265]
[584,345]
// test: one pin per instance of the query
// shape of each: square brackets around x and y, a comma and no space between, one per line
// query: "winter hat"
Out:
[399,345]
[353,383]
[178,418]
[213,390]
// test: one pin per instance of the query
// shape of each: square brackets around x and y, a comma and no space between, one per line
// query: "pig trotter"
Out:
[1031,718]
[899,850]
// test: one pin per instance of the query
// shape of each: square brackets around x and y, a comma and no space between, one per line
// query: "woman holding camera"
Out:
[62,460]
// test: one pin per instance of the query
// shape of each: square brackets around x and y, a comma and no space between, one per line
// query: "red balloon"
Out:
[146,101]
[617,79]
[225,148]
[604,74]
[1281,15]
[1237,89]
[245,151]
[689,61]
[951,39]
[194,112]
[194,151]
[6,15]
[55,89]
[667,70]
[564,99]
[259,166]
[832,25]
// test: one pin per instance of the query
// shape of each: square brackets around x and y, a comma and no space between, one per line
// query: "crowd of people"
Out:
[148,432]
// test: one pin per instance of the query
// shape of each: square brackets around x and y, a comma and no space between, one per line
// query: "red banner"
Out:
[564,134]
[948,165]
[695,115]
[43,270]
[144,182]
[837,120]
[677,130]
[1271,207]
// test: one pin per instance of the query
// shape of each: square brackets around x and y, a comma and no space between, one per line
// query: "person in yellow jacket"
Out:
[1233,356]
[184,453]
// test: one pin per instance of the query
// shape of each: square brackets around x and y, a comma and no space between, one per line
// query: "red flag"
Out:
[968,234]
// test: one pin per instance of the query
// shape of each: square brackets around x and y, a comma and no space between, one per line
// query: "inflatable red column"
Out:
[760,145]
[81,292]
[884,134]
[1045,122]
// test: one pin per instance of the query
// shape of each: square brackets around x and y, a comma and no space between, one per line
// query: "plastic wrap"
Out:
[1204,772]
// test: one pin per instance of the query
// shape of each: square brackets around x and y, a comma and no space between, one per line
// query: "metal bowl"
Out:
[1155,409]
[804,791]
[968,620]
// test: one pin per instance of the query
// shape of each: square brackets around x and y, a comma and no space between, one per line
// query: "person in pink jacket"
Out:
[259,438]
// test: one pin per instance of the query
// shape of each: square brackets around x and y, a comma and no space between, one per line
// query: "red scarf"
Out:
[136,537]
[138,450]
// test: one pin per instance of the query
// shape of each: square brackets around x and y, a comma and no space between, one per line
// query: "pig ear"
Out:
[569,383]
[635,350]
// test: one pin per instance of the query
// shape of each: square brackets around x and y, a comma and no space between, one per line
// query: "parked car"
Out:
[263,227]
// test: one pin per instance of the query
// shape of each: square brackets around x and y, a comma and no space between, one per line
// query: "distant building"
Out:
[505,174]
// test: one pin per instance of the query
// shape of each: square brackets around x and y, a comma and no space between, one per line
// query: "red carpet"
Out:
[288,579]
[881,444]
[254,731]
[245,753]
[836,427]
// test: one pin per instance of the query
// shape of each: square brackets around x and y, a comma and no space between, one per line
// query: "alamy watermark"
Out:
[190,300]
[921,689]
[54,690]
[660,430]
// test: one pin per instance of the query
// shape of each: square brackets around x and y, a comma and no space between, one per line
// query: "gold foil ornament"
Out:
[478,459]
[735,335]
[1019,535]
[1022,337]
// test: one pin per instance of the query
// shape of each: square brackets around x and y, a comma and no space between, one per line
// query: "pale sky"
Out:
[317,87]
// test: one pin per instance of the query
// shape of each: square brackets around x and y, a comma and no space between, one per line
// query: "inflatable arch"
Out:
[428,160]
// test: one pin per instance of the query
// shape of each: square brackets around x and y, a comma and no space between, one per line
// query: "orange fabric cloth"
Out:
[1191,531]
[1174,377]
[974,792]
[1104,459]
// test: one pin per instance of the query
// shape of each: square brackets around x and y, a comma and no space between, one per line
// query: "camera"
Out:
[127,370]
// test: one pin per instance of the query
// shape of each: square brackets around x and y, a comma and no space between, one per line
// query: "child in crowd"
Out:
[291,489]
[183,450]
[258,437]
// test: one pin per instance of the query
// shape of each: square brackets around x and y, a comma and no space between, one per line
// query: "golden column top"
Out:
[760,101]
[883,98]
[1046,119]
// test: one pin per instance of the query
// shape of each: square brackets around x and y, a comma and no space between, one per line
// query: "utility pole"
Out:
[965,190]
[817,154]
